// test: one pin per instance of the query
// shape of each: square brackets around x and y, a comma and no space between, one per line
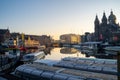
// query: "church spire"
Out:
[96,20]
[104,19]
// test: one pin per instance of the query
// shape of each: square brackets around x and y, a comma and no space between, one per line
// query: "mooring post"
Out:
[118,65]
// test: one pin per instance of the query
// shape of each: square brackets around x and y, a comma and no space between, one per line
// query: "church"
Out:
[108,30]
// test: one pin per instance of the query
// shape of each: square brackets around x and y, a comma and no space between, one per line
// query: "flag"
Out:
[115,38]
[22,36]
[101,37]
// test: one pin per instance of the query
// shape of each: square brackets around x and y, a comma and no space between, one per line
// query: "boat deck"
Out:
[58,73]
[107,66]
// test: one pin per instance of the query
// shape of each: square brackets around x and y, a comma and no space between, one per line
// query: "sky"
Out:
[54,17]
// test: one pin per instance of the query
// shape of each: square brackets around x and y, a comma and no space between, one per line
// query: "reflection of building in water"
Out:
[68,50]
[70,38]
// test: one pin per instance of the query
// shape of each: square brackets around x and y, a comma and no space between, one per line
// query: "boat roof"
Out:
[46,61]
[55,73]
[35,54]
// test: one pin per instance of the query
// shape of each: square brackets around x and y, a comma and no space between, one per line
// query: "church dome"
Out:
[112,18]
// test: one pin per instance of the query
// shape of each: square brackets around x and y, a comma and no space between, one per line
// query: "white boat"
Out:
[76,46]
[33,56]
[13,53]
[46,62]
[91,46]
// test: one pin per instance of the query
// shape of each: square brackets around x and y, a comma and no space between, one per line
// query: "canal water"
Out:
[59,53]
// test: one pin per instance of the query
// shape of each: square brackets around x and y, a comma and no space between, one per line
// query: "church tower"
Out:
[97,28]
[104,19]
[96,22]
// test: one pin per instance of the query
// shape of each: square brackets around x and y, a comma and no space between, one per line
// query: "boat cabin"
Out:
[33,56]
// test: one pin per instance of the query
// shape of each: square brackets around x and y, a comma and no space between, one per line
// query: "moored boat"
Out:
[33,56]
[93,47]
[45,72]
[113,48]
[8,60]
[46,62]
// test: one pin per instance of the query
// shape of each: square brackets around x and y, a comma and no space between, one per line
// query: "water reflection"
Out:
[103,55]
[48,50]
[66,50]
[58,53]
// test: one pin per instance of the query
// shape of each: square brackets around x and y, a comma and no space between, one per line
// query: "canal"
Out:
[59,53]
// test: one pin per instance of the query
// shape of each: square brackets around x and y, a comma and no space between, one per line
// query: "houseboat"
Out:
[8,59]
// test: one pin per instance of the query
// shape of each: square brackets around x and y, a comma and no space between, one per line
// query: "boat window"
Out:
[26,76]
[18,73]
[29,57]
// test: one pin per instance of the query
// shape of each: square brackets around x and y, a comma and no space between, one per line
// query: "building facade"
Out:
[31,42]
[104,31]
[4,35]
[70,39]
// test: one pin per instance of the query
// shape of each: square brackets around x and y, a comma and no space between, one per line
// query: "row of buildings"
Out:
[17,39]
